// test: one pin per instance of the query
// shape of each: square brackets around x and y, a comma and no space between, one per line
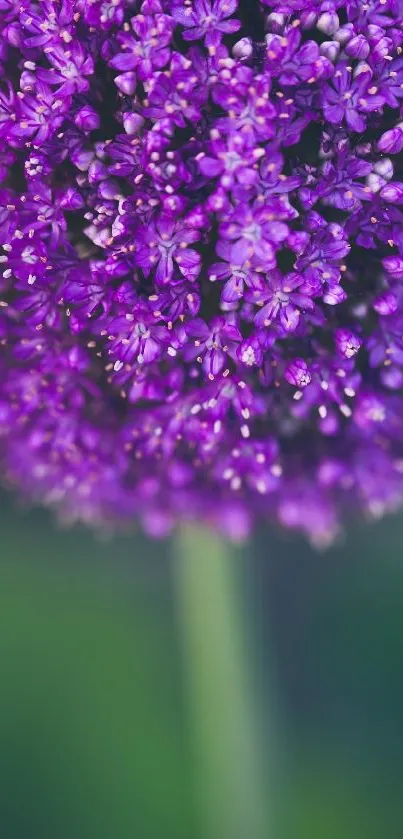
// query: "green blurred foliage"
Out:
[97,724]
[91,732]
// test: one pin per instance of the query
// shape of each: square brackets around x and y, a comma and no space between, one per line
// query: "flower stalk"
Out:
[223,716]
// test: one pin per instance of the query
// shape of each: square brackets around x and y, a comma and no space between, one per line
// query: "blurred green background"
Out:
[158,690]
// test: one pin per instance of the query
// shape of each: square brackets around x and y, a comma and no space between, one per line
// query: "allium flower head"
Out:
[201,260]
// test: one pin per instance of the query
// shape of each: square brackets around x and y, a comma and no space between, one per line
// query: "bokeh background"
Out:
[158,690]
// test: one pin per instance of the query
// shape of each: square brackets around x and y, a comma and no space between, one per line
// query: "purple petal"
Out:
[229,26]
[354,121]
[213,362]
[165,269]
[189,262]
[210,166]
[124,62]
[289,318]
[232,290]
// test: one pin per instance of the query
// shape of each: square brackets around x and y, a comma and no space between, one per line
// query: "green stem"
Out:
[223,716]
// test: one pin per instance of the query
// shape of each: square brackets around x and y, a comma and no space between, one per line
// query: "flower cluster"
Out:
[201,248]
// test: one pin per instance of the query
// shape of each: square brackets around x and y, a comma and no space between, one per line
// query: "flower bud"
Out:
[197,218]
[297,373]
[375,182]
[97,172]
[87,119]
[358,47]
[347,342]
[363,149]
[392,141]
[392,377]
[132,123]
[334,295]
[328,23]
[298,240]
[72,199]
[27,80]
[394,266]
[173,204]
[275,22]
[344,34]
[243,49]
[386,303]
[98,236]
[308,19]
[13,34]
[250,352]
[330,49]
[82,158]
[384,167]
[217,202]
[393,193]
[108,189]
[126,82]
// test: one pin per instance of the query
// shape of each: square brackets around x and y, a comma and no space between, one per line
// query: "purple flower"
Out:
[293,63]
[350,96]
[149,46]
[252,350]
[39,115]
[40,308]
[47,22]
[340,182]
[211,344]
[206,19]
[328,397]
[69,68]
[201,260]
[104,14]
[231,160]
[8,104]
[321,261]
[167,170]
[252,466]
[162,246]
[386,343]
[85,294]
[389,78]
[44,210]
[376,12]
[377,222]
[274,181]
[257,232]
[283,300]
[174,96]
[251,113]
[25,258]
[175,302]
[136,338]
[237,271]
